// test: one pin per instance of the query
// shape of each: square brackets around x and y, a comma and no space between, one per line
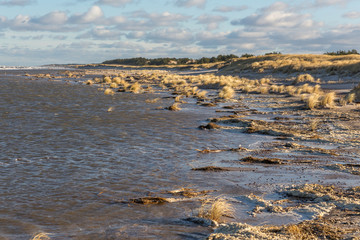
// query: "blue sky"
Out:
[36,32]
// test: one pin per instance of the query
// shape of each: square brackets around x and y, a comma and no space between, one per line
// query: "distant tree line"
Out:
[140,61]
[342,52]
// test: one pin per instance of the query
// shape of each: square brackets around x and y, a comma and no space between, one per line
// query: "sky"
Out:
[38,32]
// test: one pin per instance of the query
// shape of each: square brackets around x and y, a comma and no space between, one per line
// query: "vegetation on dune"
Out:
[343,52]
[354,95]
[140,61]
[296,63]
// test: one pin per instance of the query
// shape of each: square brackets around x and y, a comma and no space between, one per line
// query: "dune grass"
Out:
[216,210]
[175,107]
[328,100]
[313,101]
[41,236]
[291,63]
[227,92]
[109,91]
[135,88]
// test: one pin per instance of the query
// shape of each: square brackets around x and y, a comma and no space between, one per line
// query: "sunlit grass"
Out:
[216,210]
[227,92]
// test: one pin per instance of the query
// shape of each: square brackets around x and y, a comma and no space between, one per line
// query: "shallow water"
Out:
[60,148]
[64,157]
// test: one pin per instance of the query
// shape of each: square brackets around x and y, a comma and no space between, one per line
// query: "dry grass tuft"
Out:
[227,92]
[174,107]
[135,88]
[298,233]
[117,80]
[41,236]
[328,100]
[201,94]
[89,82]
[178,98]
[216,210]
[107,80]
[109,91]
[350,98]
[155,100]
[113,85]
[304,78]
[313,100]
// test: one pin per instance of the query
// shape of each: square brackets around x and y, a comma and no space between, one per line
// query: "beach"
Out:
[285,167]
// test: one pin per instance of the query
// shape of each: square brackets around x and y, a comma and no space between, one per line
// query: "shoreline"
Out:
[325,138]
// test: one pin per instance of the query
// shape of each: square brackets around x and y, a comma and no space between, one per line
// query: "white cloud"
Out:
[278,15]
[352,15]
[101,33]
[92,15]
[135,35]
[114,3]
[326,3]
[55,18]
[17,2]
[190,3]
[211,21]
[170,35]
[225,9]
[161,19]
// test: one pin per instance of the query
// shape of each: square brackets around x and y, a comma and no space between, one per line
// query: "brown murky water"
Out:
[64,157]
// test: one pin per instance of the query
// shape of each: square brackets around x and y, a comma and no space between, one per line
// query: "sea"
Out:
[69,167]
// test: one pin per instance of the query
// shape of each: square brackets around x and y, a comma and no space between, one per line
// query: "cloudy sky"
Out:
[35,32]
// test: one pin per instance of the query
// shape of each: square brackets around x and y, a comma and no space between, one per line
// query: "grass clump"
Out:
[304,78]
[328,100]
[216,210]
[201,94]
[174,107]
[40,236]
[89,82]
[109,91]
[313,101]
[354,95]
[107,80]
[113,85]
[135,88]
[227,92]
[350,98]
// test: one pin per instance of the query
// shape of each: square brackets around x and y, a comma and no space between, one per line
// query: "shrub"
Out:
[342,52]
[247,55]
[273,52]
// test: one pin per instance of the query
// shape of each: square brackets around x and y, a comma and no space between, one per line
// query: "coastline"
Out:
[323,141]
